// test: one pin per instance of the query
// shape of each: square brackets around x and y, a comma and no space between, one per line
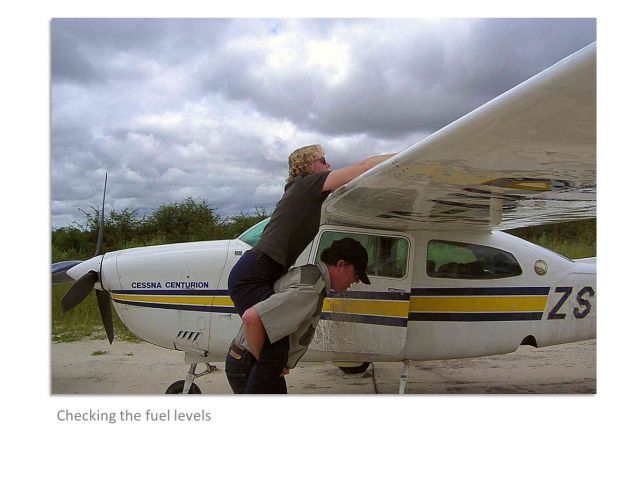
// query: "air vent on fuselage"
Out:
[188,335]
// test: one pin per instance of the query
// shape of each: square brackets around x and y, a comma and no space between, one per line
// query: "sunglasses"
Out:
[322,160]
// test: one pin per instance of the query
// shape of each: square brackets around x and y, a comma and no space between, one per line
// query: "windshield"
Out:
[253,234]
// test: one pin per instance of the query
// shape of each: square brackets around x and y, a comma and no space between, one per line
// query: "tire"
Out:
[359,369]
[177,387]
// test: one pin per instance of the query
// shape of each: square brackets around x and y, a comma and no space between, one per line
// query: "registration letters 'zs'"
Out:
[580,311]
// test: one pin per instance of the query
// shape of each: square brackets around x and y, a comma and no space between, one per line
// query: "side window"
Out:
[387,256]
[469,261]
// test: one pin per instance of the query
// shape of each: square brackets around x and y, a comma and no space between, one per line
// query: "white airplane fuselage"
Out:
[176,296]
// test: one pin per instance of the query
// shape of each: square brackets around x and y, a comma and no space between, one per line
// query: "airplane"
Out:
[446,280]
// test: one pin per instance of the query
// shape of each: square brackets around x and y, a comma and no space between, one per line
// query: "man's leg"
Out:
[282,386]
[265,377]
[238,365]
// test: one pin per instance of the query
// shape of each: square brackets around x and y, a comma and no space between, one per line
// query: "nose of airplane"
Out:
[81,269]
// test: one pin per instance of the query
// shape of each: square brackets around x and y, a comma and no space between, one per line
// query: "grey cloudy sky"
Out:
[212,108]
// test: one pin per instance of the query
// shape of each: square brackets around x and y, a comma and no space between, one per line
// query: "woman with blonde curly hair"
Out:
[293,225]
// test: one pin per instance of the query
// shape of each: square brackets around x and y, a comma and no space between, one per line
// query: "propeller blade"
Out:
[101,230]
[104,302]
[79,290]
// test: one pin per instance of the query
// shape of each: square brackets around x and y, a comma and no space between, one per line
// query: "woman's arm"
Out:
[341,176]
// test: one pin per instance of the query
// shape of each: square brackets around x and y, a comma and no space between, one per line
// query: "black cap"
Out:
[350,251]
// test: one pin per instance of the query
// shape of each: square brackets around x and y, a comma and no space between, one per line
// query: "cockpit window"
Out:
[253,234]
[387,256]
[469,261]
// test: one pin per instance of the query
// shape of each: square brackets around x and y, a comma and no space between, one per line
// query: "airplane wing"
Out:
[525,158]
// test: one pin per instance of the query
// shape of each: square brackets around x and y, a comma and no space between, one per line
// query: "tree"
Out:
[185,220]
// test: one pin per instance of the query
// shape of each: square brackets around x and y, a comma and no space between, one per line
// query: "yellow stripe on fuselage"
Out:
[385,308]
[223,302]
[478,304]
[389,308]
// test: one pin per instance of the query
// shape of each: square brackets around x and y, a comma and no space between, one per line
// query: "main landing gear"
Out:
[404,377]
[187,386]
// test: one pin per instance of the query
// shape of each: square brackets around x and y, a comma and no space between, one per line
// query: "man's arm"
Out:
[254,331]
[282,313]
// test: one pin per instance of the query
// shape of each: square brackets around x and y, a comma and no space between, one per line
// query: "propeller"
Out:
[85,284]
[79,290]
[104,303]
[101,229]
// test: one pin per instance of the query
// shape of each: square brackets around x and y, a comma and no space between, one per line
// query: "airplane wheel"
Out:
[359,369]
[178,386]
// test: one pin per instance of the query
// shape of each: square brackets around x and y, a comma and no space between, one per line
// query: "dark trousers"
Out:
[247,375]
[250,281]
[238,369]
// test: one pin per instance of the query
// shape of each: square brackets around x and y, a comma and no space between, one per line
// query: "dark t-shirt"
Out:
[296,218]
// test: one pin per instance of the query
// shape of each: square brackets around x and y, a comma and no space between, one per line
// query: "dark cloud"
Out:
[212,108]
[67,61]
[89,50]
[403,75]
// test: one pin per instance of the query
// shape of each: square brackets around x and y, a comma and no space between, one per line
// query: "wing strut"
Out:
[496,207]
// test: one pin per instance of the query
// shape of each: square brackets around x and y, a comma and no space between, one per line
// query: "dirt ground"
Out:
[92,367]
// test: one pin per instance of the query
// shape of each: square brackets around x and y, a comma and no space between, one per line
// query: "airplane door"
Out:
[225,321]
[367,318]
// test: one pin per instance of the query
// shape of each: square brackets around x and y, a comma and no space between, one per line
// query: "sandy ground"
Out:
[92,367]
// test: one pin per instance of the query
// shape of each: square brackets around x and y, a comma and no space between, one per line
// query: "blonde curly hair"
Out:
[300,162]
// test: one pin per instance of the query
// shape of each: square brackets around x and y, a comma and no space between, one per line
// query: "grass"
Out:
[568,249]
[83,321]
[573,240]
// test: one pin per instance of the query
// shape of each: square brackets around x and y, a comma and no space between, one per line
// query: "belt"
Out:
[236,351]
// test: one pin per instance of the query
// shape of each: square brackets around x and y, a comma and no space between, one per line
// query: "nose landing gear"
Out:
[187,386]
[178,387]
